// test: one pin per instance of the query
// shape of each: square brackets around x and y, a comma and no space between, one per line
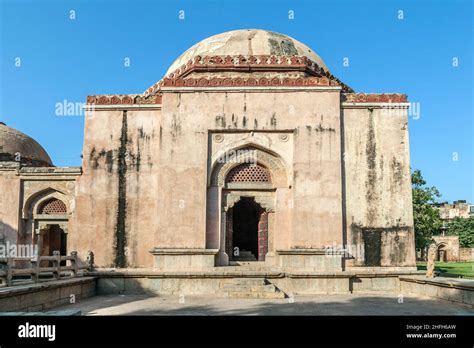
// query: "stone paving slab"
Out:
[65,312]
[355,304]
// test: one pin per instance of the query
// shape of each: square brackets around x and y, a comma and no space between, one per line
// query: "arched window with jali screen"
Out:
[52,206]
[248,173]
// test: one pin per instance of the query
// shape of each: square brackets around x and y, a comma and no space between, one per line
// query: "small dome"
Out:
[13,142]
[247,42]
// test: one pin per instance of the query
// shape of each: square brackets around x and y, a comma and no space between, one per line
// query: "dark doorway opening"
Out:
[442,254]
[53,239]
[245,220]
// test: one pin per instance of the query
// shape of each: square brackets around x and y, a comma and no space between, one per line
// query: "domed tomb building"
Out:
[36,198]
[247,153]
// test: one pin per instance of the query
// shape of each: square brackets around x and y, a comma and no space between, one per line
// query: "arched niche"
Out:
[223,194]
[441,252]
[31,205]
[249,153]
[40,219]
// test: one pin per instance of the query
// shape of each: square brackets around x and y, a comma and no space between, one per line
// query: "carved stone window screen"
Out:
[248,172]
[274,165]
[53,206]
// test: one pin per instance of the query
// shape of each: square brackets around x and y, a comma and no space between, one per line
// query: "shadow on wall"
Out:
[7,234]
[8,238]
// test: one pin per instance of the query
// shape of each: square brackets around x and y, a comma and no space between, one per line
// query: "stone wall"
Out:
[309,215]
[146,173]
[210,282]
[116,197]
[449,245]
[42,296]
[450,289]
[466,254]
[298,283]
[9,205]
[377,189]
[157,195]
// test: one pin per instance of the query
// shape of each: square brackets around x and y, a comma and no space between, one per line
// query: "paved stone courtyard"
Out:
[358,304]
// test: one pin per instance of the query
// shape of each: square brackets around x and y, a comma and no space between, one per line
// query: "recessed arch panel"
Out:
[250,155]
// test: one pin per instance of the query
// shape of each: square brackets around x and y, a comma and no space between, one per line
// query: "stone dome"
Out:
[247,42]
[13,142]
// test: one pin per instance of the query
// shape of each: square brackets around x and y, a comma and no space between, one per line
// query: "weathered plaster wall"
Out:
[116,195]
[377,185]
[9,206]
[308,217]
[145,175]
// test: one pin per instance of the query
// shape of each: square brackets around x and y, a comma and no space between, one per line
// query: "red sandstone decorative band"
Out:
[249,64]
[375,98]
[227,82]
[123,99]
[238,81]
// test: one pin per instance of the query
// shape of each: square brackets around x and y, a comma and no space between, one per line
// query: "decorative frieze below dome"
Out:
[248,82]
[120,99]
[374,98]
[249,64]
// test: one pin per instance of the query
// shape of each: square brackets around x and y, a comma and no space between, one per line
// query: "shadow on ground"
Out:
[356,304]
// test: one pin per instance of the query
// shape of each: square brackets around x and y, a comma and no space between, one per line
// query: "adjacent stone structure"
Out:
[37,199]
[248,149]
[458,209]
[447,248]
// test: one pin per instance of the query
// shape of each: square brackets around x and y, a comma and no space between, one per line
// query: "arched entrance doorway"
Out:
[52,236]
[248,199]
[442,253]
[242,196]
[46,216]
[247,237]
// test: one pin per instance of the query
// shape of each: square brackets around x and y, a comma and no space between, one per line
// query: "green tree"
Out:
[425,216]
[464,228]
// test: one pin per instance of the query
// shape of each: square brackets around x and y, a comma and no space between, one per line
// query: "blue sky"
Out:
[64,59]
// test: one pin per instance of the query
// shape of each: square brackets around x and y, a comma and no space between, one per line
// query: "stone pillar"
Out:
[270,258]
[222,257]
[430,265]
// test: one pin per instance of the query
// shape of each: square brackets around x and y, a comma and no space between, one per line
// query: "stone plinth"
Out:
[43,296]
[451,289]
[171,259]
[309,259]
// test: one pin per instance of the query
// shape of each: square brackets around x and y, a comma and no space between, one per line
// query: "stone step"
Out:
[251,288]
[243,282]
[248,264]
[245,255]
[264,288]
[255,295]
[243,259]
